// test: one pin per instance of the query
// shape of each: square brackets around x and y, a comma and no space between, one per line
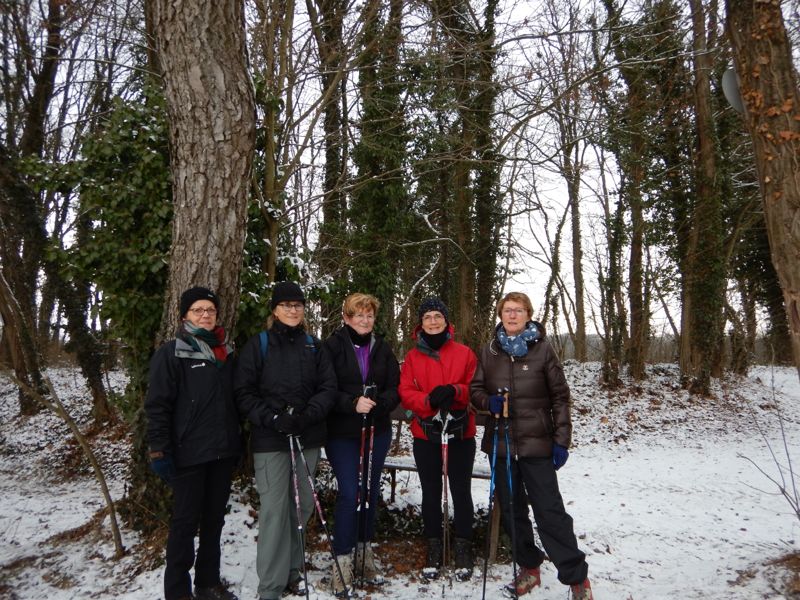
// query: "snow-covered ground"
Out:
[666,501]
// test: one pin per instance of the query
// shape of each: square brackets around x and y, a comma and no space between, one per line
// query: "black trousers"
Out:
[199,499]
[461,456]
[534,481]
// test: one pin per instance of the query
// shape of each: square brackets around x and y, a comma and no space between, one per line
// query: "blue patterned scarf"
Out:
[517,345]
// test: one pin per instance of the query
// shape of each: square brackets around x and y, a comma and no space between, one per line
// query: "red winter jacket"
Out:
[423,370]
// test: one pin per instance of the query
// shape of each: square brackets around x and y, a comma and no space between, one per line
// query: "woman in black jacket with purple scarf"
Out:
[359,427]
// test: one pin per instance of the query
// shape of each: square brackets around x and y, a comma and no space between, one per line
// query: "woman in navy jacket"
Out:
[359,426]
[194,440]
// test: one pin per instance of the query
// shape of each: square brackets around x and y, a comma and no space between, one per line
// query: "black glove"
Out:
[288,424]
[164,468]
[441,397]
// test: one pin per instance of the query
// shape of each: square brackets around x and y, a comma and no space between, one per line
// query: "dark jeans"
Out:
[461,455]
[343,454]
[199,499]
[534,481]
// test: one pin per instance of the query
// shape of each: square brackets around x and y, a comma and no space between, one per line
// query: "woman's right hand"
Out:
[364,405]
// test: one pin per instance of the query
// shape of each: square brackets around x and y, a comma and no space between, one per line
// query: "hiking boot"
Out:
[366,559]
[526,580]
[341,583]
[217,592]
[296,585]
[581,591]
[463,559]
[433,561]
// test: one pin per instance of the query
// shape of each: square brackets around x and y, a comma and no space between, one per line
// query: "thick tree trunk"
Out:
[763,58]
[201,50]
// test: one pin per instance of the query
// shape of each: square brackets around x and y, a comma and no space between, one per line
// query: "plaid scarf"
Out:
[211,344]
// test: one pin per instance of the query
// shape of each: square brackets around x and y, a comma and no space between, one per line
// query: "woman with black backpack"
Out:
[285,387]
[434,386]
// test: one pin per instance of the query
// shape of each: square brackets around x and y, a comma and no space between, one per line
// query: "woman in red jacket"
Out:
[434,383]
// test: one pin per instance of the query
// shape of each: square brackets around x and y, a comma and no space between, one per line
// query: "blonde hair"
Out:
[360,302]
[515,297]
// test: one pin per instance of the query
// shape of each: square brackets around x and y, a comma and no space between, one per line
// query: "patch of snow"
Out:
[663,487]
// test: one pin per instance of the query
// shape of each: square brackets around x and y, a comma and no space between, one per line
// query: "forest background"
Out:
[405,149]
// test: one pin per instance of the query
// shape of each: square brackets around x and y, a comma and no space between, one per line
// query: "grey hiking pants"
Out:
[277,518]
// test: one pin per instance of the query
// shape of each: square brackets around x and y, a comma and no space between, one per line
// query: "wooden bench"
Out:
[395,462]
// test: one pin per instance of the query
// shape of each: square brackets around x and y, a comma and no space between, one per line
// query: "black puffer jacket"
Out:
[540,398]
[384,372]
[190,410]
[293,374]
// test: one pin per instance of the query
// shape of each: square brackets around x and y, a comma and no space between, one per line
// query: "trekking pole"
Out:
[445,503]
[360,512]
[300,528]
[491,500]
[367,495]
[507,420]
[319,513]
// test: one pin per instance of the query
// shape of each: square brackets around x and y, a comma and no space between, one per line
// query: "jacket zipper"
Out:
[513,439]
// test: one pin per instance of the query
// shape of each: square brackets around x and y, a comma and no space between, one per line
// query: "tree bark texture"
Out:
[763,59]
[334,207]
[704,264]
[211,107]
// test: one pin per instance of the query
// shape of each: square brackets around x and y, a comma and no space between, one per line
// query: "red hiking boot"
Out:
[582,591]
[525,581]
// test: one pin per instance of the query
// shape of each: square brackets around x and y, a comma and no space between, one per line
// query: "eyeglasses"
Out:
[288,306]
[199,312]
[427,318]
[514,311]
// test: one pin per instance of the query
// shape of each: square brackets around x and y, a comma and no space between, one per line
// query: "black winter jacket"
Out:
[191,415]
[384,372]
[293,374]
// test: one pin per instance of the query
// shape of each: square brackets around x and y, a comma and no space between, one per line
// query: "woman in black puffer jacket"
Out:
[194,439]
[522,363]
[367,373]
[285,386]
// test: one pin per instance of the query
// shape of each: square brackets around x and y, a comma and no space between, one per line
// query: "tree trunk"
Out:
[328,33]
[632,144]
[573,186]
[201,50]
[488,213]
[763,58]
[704,265]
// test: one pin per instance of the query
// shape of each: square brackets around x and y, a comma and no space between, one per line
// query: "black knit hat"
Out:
[286,291]
[430,304]
[194,294]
